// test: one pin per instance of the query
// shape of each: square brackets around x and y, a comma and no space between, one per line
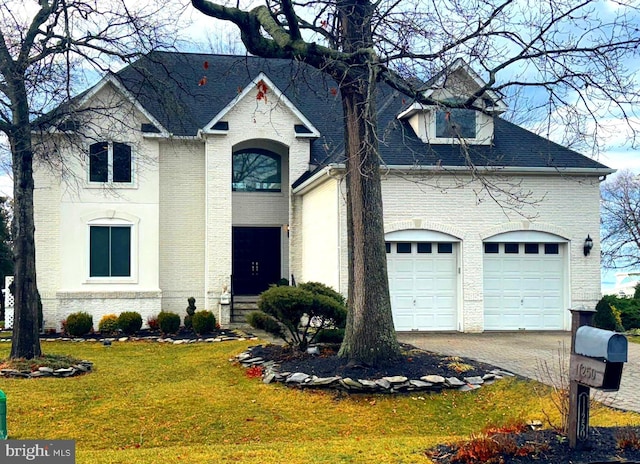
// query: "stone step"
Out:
[241,310]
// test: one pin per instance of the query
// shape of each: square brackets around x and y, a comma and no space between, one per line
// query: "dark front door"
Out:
[256,259]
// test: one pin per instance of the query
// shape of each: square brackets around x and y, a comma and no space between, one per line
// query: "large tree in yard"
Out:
[620,217]
[42,44]
[574,56]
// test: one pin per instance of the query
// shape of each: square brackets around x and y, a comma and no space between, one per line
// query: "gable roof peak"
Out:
[263,83]
[445,80]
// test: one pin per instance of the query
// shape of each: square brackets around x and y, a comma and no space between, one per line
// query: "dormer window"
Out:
[453,123]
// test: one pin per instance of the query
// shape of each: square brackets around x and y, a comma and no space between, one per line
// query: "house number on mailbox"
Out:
[583,416]
[586,372]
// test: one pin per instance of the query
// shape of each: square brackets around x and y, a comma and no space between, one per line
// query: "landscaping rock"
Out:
[298,378]
[454,382]
[433,379]
[474,380]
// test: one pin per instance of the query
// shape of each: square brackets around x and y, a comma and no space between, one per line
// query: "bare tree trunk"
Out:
[26,337]
[370,336]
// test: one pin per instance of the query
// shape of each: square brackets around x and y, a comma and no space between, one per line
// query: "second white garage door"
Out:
[423,284]
[524,286]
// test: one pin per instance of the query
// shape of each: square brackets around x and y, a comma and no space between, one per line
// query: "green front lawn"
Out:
[150,402]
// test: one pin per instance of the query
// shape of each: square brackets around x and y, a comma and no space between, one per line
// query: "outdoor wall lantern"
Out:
[588,245]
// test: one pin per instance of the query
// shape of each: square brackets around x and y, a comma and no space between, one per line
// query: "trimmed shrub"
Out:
[108,324]
[203,322]
[79,324]
[262,321]
[330,336]
[169,322]
[129,322]
[607,316]
[304,311]
[191,310]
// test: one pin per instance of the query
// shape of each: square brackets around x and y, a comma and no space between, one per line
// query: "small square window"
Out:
[531,249]
[424,247]
[445,248]
[387,247]
[512,248]
[551,249]
[403,247]
[491,248]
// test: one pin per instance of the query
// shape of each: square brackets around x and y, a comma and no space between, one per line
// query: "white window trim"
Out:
[135,250]
[110,184]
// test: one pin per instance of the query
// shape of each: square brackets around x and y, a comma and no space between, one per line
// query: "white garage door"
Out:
[524,286]
[422,282]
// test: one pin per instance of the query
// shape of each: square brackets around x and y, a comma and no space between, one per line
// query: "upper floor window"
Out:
[454,123]
[110,162]
[257,170]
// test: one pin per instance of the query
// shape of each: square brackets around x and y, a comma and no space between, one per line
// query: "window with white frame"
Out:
[456,123]
[110,162]
[109,251]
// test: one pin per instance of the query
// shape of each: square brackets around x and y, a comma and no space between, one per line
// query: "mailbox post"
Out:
[597,358]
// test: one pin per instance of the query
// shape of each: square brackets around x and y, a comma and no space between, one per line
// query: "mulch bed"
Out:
[548,447]
[414,364]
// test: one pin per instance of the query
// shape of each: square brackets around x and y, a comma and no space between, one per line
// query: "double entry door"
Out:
[257,259]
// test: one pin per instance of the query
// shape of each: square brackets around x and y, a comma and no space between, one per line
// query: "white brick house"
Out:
[196,174]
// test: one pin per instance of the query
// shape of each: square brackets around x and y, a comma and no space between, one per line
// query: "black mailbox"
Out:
[599,357]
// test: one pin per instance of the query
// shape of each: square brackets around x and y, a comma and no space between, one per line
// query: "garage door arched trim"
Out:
[524,236]
[419,235]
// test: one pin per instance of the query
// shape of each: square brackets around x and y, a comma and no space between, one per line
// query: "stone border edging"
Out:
[84,366]
[393,384]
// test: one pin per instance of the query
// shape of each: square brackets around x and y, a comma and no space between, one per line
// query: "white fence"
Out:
[8,303]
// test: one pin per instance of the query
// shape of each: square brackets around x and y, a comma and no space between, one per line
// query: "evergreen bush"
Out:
[607,316]
[169,322]
[330,336]
[203,322]
[129,322]
[79,324]
[303,311]
[191,310]
[262,321]
[108,324]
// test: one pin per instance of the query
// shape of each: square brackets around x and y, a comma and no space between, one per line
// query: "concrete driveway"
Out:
[530,354]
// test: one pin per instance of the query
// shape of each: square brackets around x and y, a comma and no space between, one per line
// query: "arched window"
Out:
[256,170]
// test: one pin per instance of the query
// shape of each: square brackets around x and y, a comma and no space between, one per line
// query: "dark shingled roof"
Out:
[169,86]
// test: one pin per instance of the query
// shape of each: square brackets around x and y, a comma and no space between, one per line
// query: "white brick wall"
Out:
[182,225]
[99,304]
[568,206]
[47,236]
